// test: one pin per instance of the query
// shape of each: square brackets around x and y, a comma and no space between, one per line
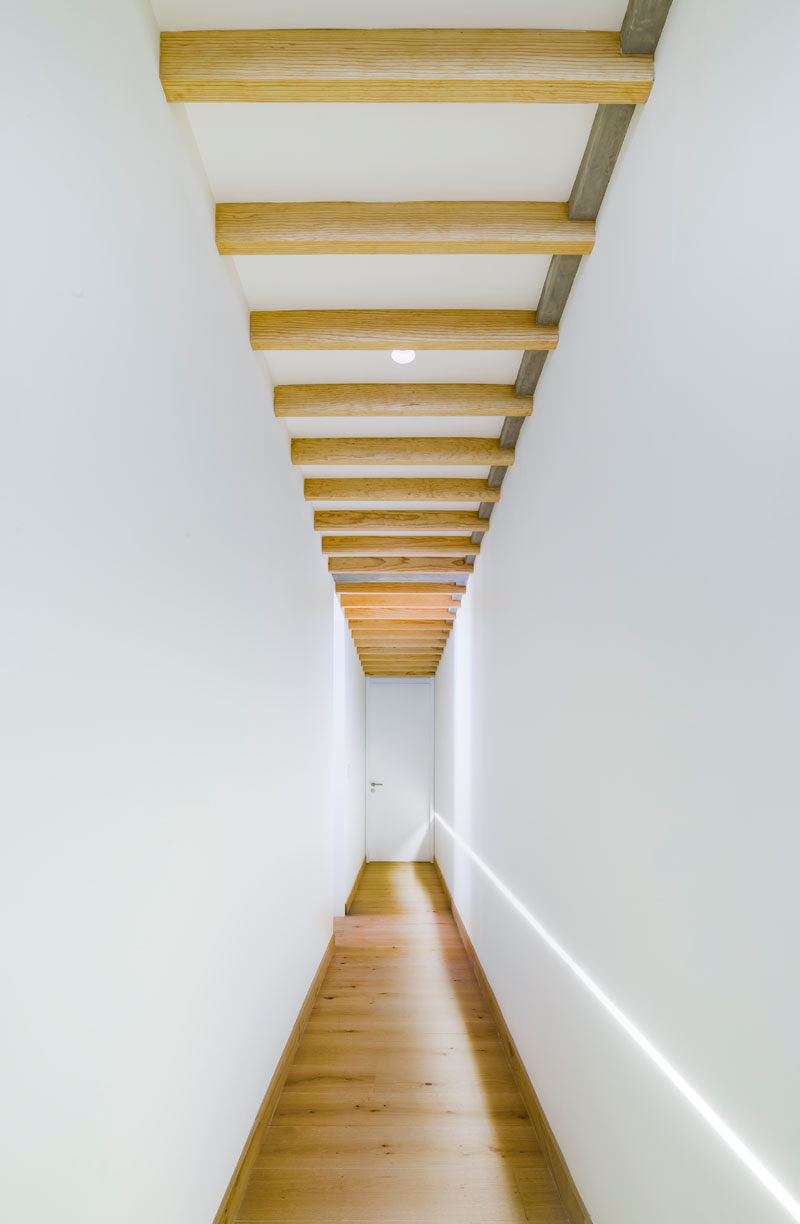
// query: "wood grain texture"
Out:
[232,1198]
[399,565]
[400,546]
[404,329]
[451,227]
[400,650]
[400,488]
[384,600]
[573,1203]
[395,588]
[398,614]
[407,635]
[398,399]
[421,658]
[401,65]
[441,452]
[400,1107]
[398,520]
[398,637]
[399,624]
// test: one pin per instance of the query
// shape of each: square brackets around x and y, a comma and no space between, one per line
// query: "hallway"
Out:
[400,1107]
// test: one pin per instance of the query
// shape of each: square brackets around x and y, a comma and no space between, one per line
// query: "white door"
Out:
[399,770]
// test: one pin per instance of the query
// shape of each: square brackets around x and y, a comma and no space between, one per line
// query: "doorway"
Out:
[399,778]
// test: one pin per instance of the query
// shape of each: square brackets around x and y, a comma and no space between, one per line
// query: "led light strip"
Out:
[748,1158]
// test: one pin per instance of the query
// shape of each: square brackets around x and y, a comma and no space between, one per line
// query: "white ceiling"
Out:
[370,367]
[352,282]
[376,427]
[387,14]
[389,151]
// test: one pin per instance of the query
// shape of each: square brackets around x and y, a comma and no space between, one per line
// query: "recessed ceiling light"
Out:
[403,356]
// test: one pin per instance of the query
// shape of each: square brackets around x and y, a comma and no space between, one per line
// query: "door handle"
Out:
[374,785]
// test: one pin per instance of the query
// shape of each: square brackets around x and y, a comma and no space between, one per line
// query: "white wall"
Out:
[617,718]
[166,655]
[349,694]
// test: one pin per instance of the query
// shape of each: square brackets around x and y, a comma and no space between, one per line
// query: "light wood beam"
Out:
[389,626]
[399,520]
[410,613]
[382,600]
[401,65]
[412,645]
[400,588]
[399,565]
[399,546]
[440,452]
[390,329]
[401,661]
[401,653]
[398,399]
[389,488]
[403,648]
[422,631]
[448,227]
[403,642]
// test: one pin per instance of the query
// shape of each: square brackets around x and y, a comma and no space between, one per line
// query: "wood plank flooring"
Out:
[400,1107]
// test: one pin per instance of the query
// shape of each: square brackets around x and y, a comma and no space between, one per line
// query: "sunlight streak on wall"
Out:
[709,1115]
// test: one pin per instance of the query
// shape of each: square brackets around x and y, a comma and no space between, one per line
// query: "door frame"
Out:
[417,680]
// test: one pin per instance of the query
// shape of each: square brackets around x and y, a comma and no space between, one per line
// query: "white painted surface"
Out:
[399,770]
[481,366]
[349,732]
[616,716]
[166,646]
[389,150]
[392,282]
[390,14]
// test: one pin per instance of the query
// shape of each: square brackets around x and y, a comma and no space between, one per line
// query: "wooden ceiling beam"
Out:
[414,647]
[401,65]
[398,601]
[439,452]
[400,652]
[399,588]
[371,629]
[411,613]
[399,546]
[302,330]
[388,626]
[406,651]
[415,488]
[445,227]
[399,565]
[399,520]
[399,399]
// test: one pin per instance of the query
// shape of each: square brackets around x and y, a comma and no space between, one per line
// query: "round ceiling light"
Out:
[403,356]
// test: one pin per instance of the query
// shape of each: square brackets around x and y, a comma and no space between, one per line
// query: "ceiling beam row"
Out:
[401,628]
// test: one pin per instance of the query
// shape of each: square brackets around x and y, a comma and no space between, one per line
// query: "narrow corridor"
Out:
[400,1107]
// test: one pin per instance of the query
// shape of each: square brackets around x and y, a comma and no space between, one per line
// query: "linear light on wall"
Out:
[748,1158]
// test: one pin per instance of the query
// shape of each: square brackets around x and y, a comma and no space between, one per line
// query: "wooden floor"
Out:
[399,1107]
